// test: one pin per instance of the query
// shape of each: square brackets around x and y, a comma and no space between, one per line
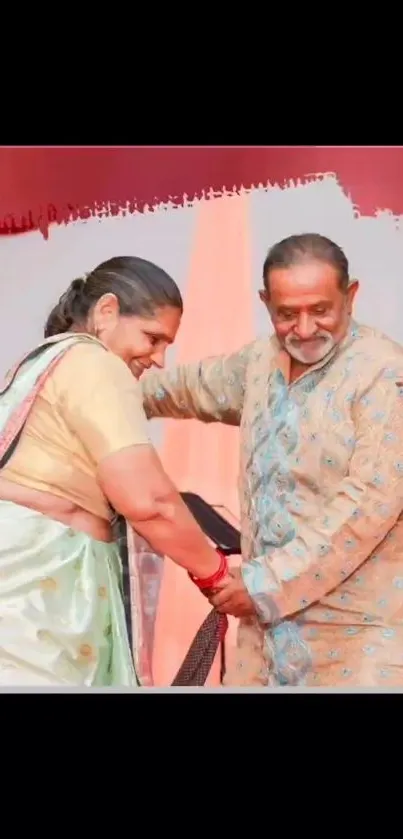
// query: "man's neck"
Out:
[297,369]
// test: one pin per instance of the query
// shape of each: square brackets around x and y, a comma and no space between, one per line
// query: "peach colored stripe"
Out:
[218,318]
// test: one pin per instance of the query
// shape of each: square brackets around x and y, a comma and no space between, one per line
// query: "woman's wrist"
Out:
[221,571]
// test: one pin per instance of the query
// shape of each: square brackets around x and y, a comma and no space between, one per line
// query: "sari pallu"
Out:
[62,618]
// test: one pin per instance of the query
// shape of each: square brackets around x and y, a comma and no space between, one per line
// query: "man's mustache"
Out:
[302,341]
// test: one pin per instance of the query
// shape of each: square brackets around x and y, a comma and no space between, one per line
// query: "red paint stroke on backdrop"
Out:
[40,186]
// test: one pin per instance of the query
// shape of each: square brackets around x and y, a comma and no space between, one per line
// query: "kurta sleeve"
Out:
[211,390]
[352,524]
[100,400]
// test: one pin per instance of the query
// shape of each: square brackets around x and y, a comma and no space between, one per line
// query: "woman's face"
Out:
[140,341]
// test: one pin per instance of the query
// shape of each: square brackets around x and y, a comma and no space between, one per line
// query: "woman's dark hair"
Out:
[140,286]
[306,247]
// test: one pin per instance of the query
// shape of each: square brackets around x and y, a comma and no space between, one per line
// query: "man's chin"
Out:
[310,357]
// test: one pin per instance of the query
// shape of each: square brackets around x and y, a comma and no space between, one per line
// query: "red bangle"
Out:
[210,582]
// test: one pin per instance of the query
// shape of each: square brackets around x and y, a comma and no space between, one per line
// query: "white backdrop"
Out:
[34,272]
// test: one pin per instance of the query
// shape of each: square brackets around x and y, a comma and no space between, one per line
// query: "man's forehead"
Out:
[313,279]
[301,301]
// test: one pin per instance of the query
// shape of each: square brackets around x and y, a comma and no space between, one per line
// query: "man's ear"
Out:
[351,292]
[264,298]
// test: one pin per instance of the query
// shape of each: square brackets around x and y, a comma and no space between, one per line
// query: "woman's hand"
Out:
[210,592]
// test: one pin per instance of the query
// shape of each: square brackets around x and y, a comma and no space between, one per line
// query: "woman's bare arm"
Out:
[138,488]
[102,403]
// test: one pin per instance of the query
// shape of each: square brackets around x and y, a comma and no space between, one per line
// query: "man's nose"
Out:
[305,327]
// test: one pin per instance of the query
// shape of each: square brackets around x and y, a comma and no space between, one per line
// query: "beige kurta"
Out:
[321,496]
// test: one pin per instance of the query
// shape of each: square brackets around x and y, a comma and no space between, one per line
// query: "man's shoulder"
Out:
[254,350]
[378,348]
[246,354]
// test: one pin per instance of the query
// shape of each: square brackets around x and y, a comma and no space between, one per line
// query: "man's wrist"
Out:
[261,589]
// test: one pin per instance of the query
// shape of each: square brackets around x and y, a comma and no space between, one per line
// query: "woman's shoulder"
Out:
[90,363]
[90,351]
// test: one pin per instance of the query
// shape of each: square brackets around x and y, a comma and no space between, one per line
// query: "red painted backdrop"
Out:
[41,185]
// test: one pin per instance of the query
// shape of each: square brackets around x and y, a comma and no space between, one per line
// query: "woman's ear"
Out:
[105,312]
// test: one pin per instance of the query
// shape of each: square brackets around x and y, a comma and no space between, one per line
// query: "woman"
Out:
[74,454]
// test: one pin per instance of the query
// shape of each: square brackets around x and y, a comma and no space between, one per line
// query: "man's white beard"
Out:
[307,352]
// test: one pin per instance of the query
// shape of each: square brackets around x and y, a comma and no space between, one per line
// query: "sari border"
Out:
[19,416]
[78,337]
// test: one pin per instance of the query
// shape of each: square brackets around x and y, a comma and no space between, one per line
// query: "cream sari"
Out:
[62,615]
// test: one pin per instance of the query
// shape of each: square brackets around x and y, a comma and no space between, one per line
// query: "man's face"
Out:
[309,311]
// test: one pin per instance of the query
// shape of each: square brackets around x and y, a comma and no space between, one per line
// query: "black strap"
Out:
[121,541]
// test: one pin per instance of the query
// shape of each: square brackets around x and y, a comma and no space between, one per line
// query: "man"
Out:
[320,408]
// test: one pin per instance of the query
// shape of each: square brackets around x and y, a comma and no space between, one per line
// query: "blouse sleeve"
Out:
[100,401]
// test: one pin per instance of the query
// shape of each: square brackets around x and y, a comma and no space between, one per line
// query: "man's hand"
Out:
[232,598]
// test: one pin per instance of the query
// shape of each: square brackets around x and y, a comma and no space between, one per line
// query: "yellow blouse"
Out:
[90,406]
